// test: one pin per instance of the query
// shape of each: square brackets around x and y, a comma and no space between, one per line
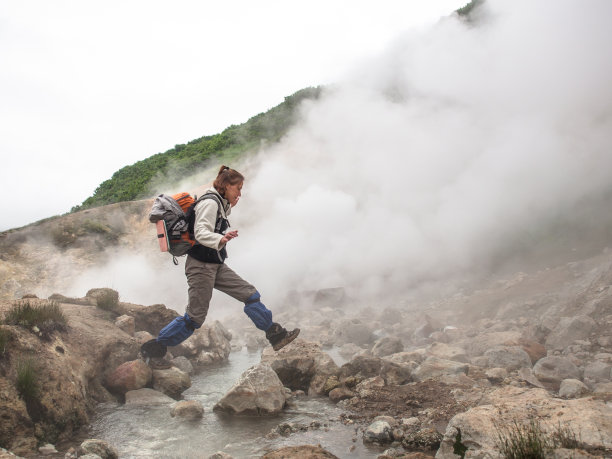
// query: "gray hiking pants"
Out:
[202,278]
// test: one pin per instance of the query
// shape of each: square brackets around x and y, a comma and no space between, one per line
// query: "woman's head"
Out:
[229,184]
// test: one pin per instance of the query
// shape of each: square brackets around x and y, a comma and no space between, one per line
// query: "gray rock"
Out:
[568,330]
[99,447]
[508,357]
[340,393]
[572,388]
[188,409]
[47,449]
[220,455]
[378,431]
[603,388]
[553,370]
[434,367]
[172,382]
[526,374]
[126,323]
[447,352]
[387,346]
[301,366]
[258,391]
[496,375]
[353,331]
[592,419]
[597,371]
[183,364]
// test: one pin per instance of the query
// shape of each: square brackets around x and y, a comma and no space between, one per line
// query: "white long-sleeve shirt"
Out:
[205,219]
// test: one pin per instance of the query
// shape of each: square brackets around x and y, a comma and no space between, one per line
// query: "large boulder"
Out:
[568,330]
[434,367]
[172,382]
[132,375]
[590,420]
[301,366]
[552,370]
[508,357]
[208,344]
[258,391]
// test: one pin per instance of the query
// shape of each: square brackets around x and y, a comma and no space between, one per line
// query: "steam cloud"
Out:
[426,160]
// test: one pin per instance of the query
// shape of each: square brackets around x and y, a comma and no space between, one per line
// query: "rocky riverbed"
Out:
[442,379]
[445,373]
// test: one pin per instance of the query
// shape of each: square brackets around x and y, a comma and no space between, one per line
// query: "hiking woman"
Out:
[205,270]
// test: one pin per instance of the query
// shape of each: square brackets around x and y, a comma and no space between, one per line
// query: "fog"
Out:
[428,161]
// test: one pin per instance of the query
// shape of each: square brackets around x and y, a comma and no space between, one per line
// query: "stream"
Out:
[137,431]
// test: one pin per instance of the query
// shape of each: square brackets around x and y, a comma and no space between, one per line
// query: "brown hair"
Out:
[225,177]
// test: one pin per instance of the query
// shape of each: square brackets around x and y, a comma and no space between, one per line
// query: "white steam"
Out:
[430,157]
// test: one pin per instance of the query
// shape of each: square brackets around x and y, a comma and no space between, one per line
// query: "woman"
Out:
[205,269]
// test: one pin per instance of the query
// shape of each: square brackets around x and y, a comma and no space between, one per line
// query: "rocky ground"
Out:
[446,375]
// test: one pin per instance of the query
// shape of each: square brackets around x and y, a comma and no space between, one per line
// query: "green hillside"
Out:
[138,180]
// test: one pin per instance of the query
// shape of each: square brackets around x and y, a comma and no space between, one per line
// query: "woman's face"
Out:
[233,193]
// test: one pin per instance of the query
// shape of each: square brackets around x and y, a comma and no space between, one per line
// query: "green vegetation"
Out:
[529,441]
[27,379]
[468,8]
[5,336]
[47,316]
[459,448]
[106,299]
[138,180]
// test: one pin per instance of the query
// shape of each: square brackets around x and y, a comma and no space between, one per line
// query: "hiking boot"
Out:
[279,337]
[152,349]
[159,363]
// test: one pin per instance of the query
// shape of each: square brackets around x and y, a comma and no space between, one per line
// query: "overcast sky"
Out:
[89,87]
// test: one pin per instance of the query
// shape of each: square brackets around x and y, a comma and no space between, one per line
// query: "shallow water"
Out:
[139,431]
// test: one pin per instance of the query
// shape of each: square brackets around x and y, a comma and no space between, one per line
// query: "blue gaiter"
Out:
[177,331]
[257,312]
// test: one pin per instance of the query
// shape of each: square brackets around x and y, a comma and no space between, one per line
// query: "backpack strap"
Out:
[191,212]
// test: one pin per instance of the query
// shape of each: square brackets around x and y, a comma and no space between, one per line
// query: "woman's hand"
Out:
[229,236]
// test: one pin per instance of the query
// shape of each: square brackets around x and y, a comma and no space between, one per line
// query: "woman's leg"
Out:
[201,280]
[233,285]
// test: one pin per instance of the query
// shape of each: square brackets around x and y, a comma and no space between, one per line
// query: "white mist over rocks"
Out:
[426,161]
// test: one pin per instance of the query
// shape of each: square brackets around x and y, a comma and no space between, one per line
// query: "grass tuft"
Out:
[530,441]
[47,315]
[27,379]
[107,299]
[5,337]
